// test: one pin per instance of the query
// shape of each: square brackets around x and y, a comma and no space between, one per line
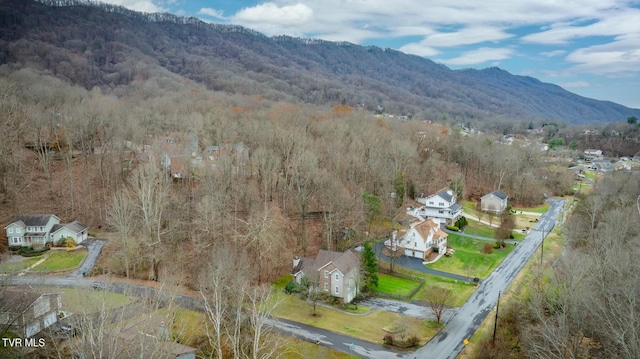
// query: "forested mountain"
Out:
[106,46]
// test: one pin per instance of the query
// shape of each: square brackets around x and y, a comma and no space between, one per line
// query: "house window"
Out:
[337,276]
[326,287]
[441,204]
[431,203]
[18,230]
[326,274]
[337,290]
[10,231]
[41,229]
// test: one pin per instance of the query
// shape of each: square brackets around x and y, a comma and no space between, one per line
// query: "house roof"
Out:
[424,228]
[445,195]
[75,227]
[33,220]
[18,299]
[500,195]
[344,261]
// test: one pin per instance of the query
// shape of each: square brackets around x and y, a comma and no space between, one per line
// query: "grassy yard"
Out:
[18,266]
[478,229]
[88,300]
[468,260]
[540,209]
[59,260]
[395,285]
[461,290]
[367,327]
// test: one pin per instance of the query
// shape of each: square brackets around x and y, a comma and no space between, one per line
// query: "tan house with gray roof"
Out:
[337,272]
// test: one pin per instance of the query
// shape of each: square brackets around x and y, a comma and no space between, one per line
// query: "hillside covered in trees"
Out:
[108,46]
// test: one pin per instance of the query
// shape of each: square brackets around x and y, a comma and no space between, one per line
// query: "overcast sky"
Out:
[590,47]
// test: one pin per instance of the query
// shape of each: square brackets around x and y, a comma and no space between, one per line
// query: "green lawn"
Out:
[540,209]
[18,266]
[468,260]
[461,290]
[395,285]
[478,229]
[88,300]
[59,260]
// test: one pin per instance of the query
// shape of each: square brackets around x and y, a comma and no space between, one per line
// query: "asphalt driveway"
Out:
[94,247]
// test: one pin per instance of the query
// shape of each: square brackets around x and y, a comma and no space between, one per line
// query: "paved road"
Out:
[94,247]
[416,264]
[447,344]
[408,309]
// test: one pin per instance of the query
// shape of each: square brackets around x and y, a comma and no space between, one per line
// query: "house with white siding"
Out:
[420,240]
[42,229]
[440,207]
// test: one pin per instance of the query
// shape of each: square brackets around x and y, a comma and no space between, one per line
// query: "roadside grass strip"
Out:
[395,285]
[367,327]
[85,301]
[540,209]
[300,349]
[468,259]
[60,260]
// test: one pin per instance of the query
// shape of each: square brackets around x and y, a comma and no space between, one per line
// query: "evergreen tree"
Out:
[369,266]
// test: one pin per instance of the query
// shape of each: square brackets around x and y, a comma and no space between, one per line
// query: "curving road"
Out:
[447,344]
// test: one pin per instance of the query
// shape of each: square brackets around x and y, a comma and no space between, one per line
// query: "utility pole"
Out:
[495,324]
[542,247]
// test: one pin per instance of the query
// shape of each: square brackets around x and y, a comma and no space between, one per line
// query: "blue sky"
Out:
[590,47]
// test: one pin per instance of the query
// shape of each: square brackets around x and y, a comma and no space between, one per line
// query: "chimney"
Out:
[296,261]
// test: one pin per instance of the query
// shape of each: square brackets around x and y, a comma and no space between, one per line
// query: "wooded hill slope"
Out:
[106,46]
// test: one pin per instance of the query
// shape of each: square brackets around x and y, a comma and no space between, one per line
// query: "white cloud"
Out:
[271,18]
[419,49]
[207,11]
[618,58]
[553,53]
[479,56]
[138,5]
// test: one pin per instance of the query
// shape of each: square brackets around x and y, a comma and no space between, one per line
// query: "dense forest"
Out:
[275,159]
[108,46]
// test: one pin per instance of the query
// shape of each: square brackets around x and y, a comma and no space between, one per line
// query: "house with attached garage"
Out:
[420,240]
[26,312]
[494,202]
[42,229]
[337,273]
[440,207]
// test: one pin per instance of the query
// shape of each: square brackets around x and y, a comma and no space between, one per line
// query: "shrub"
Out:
[413,341]
[511,236]
[453,228]
[30,252]
[388,339]
[496,245]
[14,248]
[292,287]
[487,248]
[70,243]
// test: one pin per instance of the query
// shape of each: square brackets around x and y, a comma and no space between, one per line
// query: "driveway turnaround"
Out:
[416,264]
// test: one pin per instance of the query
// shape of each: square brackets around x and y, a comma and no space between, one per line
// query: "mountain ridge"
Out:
[106,45]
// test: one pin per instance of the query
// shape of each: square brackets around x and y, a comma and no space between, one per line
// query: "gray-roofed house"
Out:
[440,207]
[494,202]
[26,312]
[42,229]
[337,272]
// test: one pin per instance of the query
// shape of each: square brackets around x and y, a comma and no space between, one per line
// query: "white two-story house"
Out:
[440,207]
[41,229]
[420,240]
